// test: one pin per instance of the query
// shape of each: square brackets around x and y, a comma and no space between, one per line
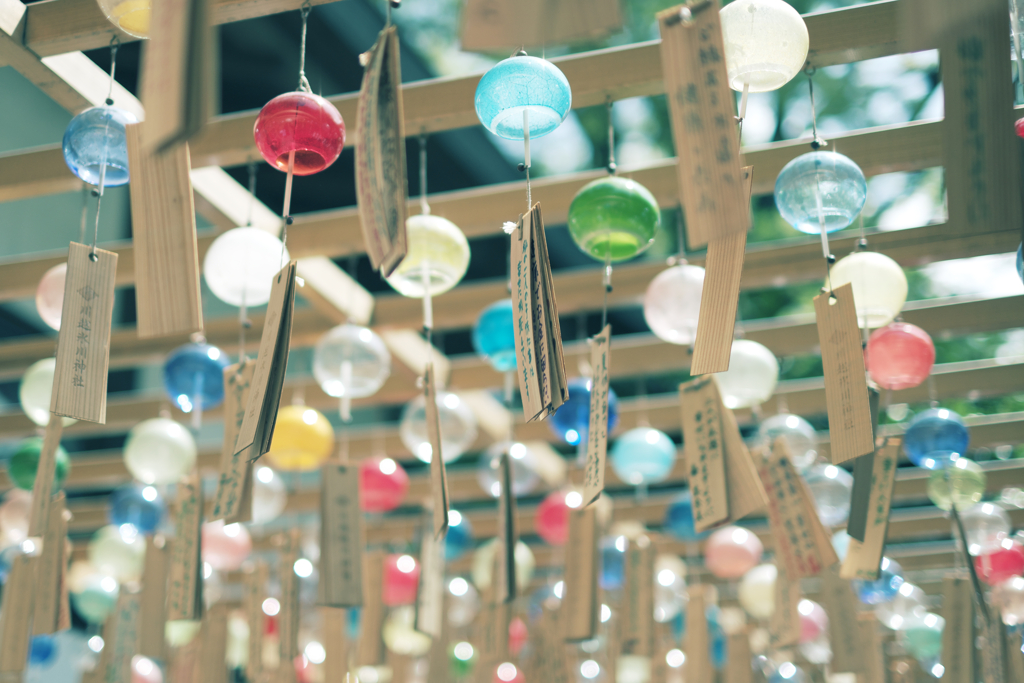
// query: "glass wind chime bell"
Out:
[298,132]
[194,378]
[350,362]
[131,16]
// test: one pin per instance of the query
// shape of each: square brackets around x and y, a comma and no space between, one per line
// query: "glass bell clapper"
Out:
[298,132]
[351,361]
[194,378]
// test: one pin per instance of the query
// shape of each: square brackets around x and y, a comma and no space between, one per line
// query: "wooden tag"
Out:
[168,298]
[1014,657]
[874,660]
[716,321]
[233,501]
[540,362]
[153,602]
[597,439]
[863,558]
[581,606]
[42,489]
[846,388]
[746,493]
[958,639]
[550,662]
[438,474]
[16,613]
[49,569]
[703,448]
[863,473]
[124,646]
[185,578]
[271,364]
[430,597]
[737,666]
[176,83]
[214,641]
[703,123]
[698,665]
[638,617]
[784,623]
[993,653]
[334,623]
[800,541]
[983,168]
[370,649]
[508,535]
[288,620]
[341,537]
[83,343]
[503,25]
[844,633]
[254,585]
[380,154]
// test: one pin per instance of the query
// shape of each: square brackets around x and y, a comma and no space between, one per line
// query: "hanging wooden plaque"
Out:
[698,665]
[341,537]
[702,112]
[846,389]
[83,343]
[863,557]
[737,666]
[288,619]
[214,641]
[124,646]
[15,614]
[185,579]
[271,365]
[581,606]
[720,296]
[380,154]
[370,649]
[503,25]
[746,493]
[784,623]
[42,488]
[597,439]
[958,640]
[430,596]
[334,622]
[438,475]
[168,298]
[50,569]
[638,617]
[153,602]
[874,653]
[801,542]
[233,501]
[857,522]
[703,449]
[837,597]
[177,72]
[508,535]
[254,585]
[539,360]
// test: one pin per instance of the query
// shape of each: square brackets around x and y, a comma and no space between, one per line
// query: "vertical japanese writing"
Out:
[597,440]
[83,329]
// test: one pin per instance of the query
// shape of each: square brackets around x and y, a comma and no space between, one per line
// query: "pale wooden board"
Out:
[638,615]
[341,537]
[958,639]
[288,618]
[720,296]
[153,606]
[50,567]
[597,439]
[522,306]
[125,638]
[846,390]
[213,645]
[380,155]
[737,666]
[430,614]
[695,644]
[702,113]
[83,343]
[746,493]
[370,648]
[254,586]
[870,638]
[42,488]
[557,380]
[837,597]
[233,500]
[506,587]
[167,292]
[438,473]
[784,623]
[704,451]
[863,558]
[184,576]
[504,25]
[334,623]
[581,606]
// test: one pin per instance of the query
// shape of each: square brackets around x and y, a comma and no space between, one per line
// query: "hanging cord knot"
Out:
[115,43]
[303,81]
[817,142]
[611,138]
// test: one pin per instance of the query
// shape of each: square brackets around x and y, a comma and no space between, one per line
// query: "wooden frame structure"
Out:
[40,41]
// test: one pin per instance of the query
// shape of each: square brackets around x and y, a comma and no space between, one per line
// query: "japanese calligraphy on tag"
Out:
[438,475]
[703,449]
[801,543]
[846,389]
[581,604]
[703,119]
[271,365]
[83,343]
[380,154]
[539,360]
[125,621]
[185,583]
[784,623]
[341,537]
[597,440]
[863,557]
[254,586]
[233,502]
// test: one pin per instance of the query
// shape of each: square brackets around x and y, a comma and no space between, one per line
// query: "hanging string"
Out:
[680,257]
[303,82]
[85,214]
[526,157]
[611,139]
[115,43]
[424,206]
[98,191]
[606,275]
[243,319]
[743,112]
[817,142]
